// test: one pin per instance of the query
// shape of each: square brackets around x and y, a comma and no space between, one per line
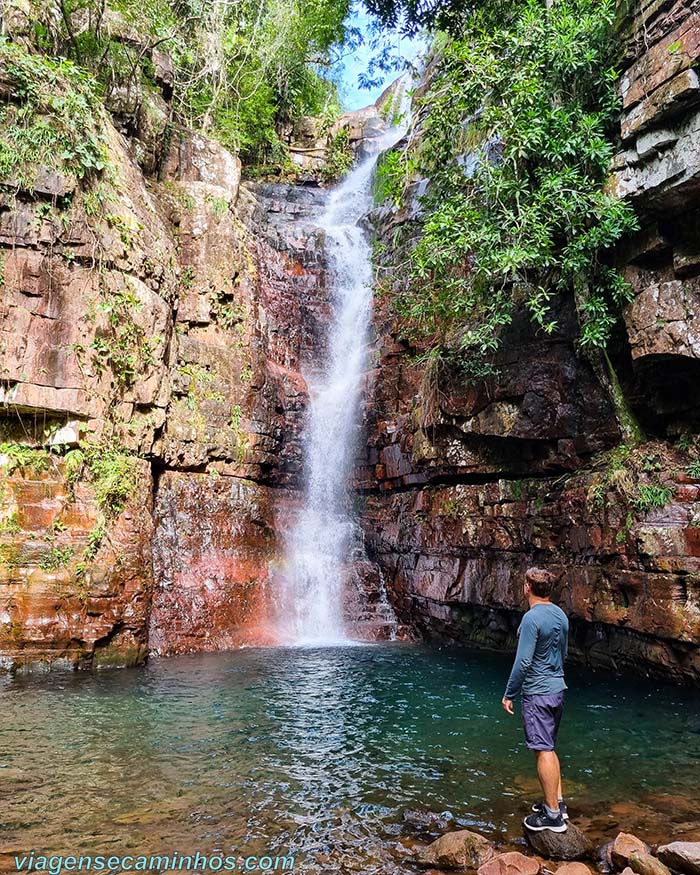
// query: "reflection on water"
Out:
[320,751]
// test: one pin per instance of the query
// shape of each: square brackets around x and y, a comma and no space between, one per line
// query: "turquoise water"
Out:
[321,752]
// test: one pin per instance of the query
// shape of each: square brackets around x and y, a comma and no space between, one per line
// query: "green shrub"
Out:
[517,131]
[55,122]
[22,456]
[651,495]
[339,156]
[114,479]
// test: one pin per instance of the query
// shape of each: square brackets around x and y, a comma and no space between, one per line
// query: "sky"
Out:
[352,96]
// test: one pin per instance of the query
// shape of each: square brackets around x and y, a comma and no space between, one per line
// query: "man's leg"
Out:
[549,773]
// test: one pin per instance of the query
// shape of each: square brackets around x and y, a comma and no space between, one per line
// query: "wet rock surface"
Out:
[645,864]
[623,846]
[213,542]
[457,850]
[51,613]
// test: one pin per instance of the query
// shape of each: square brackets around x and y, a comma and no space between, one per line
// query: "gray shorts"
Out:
[541,718]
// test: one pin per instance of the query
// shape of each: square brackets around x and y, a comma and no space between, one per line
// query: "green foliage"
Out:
[235,419]
[22,456]
[339,156]
[631,476]
[394,170]
[121,345]
[243,71]
[73,461]
[199,386]
[112,472]
[241,437]
[95,539]
[410,17]
[219,206]
[53,120]
[516,144]
[651,495]
[227,314]
[693,470]
[57,557]
[9,525]
[114,478]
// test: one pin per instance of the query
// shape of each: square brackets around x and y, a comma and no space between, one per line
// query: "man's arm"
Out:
[523,657]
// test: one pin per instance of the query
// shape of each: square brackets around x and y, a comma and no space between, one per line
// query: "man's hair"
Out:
[541,582]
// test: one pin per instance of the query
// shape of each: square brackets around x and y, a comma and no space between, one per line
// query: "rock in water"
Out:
[684,856]
[570,845]
[512,863]
[645,864]
[623,846]
[426,821]
[457,850]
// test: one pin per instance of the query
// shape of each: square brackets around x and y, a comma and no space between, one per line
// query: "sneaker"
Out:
[563,810]
[541,821]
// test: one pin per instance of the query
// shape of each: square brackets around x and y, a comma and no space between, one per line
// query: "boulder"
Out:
[573,869]
[684,856]
[623,846]
[570,845]
[457,850]
[512,863]
[646,864]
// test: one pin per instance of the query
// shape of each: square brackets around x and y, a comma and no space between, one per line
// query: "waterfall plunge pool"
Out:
[321,752]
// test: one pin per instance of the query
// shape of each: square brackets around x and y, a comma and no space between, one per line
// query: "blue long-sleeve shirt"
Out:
[542,645]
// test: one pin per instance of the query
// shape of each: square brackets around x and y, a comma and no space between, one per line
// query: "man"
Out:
[538,677]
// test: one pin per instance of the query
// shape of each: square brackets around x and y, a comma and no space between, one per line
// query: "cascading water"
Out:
[319,543]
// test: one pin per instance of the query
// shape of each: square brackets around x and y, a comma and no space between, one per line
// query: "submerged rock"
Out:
[570,845]
[425,821]
[624,845]
[512,863]
[457,850]
[684,856]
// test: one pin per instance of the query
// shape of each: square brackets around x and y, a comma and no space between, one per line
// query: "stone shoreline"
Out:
[570,853]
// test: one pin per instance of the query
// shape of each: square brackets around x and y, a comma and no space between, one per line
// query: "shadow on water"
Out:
[321,751]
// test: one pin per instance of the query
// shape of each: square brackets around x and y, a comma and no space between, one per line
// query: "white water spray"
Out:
[319,544]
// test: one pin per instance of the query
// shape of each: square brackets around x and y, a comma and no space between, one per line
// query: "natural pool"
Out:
[321,752]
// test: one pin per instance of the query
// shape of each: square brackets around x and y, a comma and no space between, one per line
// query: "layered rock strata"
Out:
[466,485]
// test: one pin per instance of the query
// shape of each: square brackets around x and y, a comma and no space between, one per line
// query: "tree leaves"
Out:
[527,221]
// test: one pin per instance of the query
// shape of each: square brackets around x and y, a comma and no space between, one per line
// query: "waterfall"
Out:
[319,544]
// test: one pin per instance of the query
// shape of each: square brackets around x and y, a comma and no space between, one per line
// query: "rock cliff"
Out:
[157,319]
[465,486]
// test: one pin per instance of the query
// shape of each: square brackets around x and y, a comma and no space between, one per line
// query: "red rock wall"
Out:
[225,287]
[214,550]
[50,613]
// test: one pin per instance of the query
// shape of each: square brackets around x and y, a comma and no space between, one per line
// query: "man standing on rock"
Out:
[538,677]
